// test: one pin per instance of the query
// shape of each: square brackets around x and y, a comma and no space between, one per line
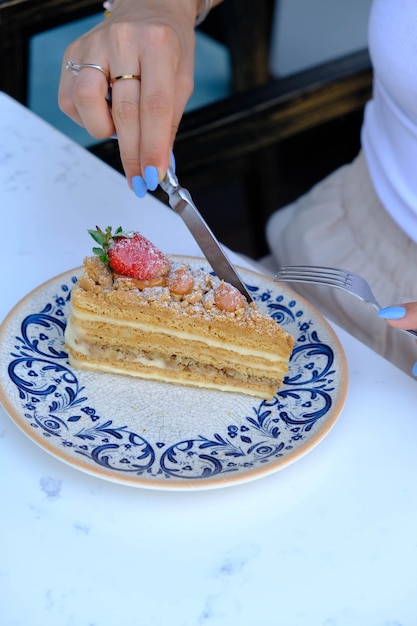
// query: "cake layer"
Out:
[85,332]
[93,322]
[247,328]
[90,339]
[119,326]
[194,374]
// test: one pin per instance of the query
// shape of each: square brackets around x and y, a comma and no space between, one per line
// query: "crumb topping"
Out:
[206,297]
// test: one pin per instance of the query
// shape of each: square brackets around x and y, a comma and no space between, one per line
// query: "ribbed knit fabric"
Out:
[389,134]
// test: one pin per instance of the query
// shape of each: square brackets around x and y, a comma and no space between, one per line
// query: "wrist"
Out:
[204,8]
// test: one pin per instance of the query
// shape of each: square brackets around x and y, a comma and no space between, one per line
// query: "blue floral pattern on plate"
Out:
[164,436]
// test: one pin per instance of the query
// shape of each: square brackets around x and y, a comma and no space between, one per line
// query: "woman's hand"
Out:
[153,40]
[401,316]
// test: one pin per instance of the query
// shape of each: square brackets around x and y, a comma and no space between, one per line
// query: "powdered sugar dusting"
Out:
[124,292]
[137,257]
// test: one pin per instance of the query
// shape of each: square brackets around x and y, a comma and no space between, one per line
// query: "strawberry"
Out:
[129,254]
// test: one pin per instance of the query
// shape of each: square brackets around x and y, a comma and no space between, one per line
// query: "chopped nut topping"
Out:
[228,298]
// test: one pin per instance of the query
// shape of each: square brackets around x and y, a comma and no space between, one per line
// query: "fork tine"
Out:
[333,277]
[324,275]
[329,277]
[313,269]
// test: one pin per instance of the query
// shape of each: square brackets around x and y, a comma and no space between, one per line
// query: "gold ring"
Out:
[124,77]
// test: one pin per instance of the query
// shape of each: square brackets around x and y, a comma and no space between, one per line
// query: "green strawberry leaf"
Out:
[98,237]
[104,239]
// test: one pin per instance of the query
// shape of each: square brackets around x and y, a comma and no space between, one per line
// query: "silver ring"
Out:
[76,68]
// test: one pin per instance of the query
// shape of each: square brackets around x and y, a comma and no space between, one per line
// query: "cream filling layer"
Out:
[214,343]
[205,384]
[73,342]
[99,352]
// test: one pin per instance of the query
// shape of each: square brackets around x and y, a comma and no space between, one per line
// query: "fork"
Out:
[332,277]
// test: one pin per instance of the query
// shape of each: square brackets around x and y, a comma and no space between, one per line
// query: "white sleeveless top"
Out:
[389,132]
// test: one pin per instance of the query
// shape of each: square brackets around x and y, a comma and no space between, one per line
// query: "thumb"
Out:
[400,315]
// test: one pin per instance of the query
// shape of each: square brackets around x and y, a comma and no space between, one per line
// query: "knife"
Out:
[181,202]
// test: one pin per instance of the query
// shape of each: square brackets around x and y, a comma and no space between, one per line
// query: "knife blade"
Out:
[181,202]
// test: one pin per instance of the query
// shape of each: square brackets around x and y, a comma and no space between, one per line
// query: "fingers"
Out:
[144,113]
[82,94]
[147,114]
[126,96]
[401,316]
[90,107]
[165,89]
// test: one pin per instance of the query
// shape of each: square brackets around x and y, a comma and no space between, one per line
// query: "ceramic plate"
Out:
[158,435]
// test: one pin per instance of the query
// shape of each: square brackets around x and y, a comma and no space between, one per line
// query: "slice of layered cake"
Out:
[135,311]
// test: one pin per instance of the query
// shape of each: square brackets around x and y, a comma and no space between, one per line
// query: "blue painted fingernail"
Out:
[173,162]
[392,312]
[151,177]
[414,370]
[139,186]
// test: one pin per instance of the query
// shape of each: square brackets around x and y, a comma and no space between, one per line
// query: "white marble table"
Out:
[327,541]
